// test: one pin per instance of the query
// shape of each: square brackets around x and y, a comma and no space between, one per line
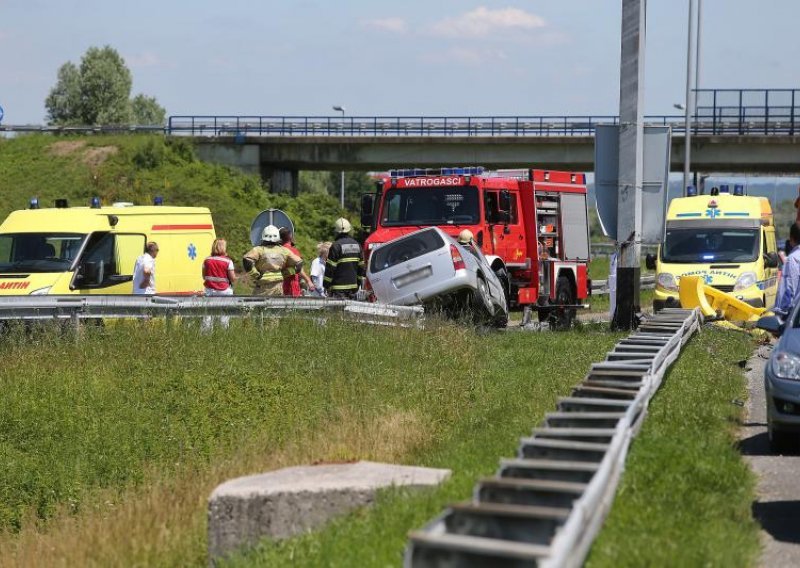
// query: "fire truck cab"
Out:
[531,225]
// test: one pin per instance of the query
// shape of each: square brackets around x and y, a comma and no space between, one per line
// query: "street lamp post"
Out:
[687,116]
[340,108]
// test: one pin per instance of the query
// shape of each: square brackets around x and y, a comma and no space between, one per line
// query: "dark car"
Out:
[782,379]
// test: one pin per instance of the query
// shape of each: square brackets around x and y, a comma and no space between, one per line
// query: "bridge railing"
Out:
[388,125]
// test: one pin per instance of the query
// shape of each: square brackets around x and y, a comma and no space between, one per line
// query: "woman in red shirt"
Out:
[218,278]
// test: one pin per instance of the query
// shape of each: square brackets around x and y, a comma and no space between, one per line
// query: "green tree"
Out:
[64,101]
[146,111]
[98,92]
[105,87]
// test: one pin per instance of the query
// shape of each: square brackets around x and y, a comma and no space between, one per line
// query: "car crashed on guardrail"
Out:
[429,267]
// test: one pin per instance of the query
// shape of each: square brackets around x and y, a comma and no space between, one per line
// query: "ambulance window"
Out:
[100,249]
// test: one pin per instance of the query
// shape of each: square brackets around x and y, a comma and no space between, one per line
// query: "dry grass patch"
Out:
[66,147]
[93,157]
[163,523]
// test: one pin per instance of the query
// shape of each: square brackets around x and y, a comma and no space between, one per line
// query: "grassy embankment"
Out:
[112,443]
[136,168]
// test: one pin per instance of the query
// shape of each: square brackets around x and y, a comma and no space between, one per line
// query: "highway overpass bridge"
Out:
[733,130]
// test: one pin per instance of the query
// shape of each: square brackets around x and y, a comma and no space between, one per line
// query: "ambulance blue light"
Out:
[738,189]
[158,200]
[724,188]
[95,203]
[691,191]
[34,203]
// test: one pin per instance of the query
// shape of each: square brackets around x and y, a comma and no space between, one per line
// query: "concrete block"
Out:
[293,500]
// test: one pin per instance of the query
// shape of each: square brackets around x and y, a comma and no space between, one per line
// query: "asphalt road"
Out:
[777,506]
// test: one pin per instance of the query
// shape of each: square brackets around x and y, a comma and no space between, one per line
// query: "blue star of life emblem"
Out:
[712,212]
[707,278]
[192,251]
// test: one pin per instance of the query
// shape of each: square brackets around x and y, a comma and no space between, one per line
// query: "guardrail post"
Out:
[791,120]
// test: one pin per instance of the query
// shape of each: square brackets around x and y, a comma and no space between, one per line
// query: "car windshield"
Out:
[38,252]
[703,245]
[431,206]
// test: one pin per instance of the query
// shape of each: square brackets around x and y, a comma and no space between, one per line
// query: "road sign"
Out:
[1,114]
[655,177]
[268,217]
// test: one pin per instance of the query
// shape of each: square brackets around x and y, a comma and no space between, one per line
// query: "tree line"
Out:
[98,91]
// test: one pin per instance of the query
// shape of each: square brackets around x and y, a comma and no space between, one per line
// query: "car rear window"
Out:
[405,249]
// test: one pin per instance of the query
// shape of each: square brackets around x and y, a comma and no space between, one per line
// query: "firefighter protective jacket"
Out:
[344,269]
[268,263]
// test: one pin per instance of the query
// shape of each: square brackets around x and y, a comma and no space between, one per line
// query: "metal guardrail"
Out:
[80,308]
[600,287]
[546,506]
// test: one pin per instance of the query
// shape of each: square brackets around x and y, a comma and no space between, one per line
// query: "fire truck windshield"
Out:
[38,252]
[431,206]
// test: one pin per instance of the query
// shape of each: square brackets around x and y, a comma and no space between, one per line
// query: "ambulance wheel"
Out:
[561,317]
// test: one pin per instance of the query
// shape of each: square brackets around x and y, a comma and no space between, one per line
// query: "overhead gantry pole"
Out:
[631,157]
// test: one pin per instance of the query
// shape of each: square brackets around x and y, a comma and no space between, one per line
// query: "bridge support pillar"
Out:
[282,180]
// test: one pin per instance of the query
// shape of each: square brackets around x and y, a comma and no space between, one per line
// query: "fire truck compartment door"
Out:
[574,227]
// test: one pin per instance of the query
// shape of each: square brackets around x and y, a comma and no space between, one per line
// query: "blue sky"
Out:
[414,57]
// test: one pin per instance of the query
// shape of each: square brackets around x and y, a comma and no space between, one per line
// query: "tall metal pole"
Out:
[688,106]
[341,109]
[631,157]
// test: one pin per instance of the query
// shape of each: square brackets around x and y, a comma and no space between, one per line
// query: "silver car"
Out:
[782,380]
[429,267]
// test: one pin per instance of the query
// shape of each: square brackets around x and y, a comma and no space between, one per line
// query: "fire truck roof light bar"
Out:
[418,172]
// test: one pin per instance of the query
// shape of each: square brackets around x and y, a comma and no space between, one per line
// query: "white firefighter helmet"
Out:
[271,234]
[465,237]
[342,225]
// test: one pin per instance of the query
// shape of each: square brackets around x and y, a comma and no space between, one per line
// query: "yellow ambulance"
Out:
[726,239]
[92,250]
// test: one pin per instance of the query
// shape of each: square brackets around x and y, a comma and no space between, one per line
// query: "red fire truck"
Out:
[531,224]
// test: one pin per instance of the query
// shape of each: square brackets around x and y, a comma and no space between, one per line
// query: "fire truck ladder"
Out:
[545,506]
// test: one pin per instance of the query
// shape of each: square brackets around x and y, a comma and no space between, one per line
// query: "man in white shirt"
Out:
[318,268]
[144,271]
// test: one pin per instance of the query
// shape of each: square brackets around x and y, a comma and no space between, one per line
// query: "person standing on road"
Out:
[144,271]
[291,277]
[265,263]
[789,286]
[344,269]
[218,278]
[318,267]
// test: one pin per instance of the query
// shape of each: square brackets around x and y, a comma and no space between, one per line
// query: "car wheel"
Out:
[483,301]
[561,318]
[779,440]
[502,276]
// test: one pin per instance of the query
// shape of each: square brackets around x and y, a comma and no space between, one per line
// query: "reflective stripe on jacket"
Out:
[344,269]
[269,262]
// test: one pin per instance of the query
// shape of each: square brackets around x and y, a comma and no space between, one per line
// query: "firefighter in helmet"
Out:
[267,263]
[465,237]
[344,269]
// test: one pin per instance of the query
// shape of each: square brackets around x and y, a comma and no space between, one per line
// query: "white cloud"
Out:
[395,25]
[467,56]
[146,59]
[483,21]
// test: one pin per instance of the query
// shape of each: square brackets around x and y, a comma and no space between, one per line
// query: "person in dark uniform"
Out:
[344,269]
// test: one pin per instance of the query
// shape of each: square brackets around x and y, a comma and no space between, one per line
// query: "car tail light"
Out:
[458,262]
